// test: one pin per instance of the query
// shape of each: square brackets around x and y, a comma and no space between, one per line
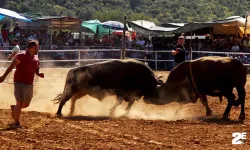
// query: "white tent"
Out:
[9,13]
[148,28]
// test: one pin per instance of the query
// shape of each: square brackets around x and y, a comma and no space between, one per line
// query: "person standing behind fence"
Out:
[27,65]
[179,51]
[15,50]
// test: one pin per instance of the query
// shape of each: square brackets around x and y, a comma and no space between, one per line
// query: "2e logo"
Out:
[239,138]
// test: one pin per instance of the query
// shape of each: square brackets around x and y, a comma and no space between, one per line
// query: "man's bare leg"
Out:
[17,111]
[12,107]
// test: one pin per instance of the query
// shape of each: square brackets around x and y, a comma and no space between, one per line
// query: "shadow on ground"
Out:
[216,120]
[93,118]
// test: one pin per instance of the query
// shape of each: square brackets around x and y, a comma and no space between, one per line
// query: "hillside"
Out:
[159,11]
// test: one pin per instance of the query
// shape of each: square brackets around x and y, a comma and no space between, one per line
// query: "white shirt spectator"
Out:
[16,49]
[235,48]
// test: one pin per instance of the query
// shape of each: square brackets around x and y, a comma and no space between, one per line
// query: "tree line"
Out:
[158,11]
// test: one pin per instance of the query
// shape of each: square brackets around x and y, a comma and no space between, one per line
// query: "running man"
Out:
[27,65]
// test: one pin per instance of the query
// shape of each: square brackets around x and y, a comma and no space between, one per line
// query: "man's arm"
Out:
[41,75]
[14,63]
[175,51]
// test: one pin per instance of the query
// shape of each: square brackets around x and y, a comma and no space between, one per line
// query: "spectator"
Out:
[31,37]
[117,41]
[106,41]
[96,40]
[88,41]
[11,37]
[4,32]
[17,29]
[179,51]
[235,47]
[71,40]
[39,37]
[1,40]
[15,49]
[6,44]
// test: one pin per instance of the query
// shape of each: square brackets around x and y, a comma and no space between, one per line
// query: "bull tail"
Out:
[58,98]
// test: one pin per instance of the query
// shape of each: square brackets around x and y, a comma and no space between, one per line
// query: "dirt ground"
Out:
[147,126]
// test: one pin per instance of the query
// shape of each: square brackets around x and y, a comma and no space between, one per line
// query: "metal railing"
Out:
[157,60]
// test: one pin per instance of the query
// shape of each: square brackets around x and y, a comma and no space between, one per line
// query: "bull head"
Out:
[169,92]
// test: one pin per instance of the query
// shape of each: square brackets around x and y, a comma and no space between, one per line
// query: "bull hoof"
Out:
[127,113]
[59,115]
[209,113]
[112,114]
[242,117]
[225,118]
[236,103]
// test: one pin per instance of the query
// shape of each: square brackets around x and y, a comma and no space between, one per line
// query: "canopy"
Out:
[148,28]
[1,17]
[231,25]
[62,22]
[91,24]
[55,22]
[9,13]
[113,25]
[97,27]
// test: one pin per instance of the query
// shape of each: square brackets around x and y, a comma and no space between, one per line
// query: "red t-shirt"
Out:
[26,69]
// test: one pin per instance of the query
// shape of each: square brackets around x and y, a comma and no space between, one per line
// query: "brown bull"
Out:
[213,76]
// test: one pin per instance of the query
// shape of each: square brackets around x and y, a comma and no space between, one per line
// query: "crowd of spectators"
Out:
[64,40]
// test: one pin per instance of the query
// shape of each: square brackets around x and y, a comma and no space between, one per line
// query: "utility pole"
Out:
[123,39]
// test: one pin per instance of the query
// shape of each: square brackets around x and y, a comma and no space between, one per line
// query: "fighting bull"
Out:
[212,76]
[128,79]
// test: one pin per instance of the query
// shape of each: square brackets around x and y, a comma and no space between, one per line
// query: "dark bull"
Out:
[128,79]
[213,76]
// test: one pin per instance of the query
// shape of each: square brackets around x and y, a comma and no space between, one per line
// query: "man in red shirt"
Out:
[27,65]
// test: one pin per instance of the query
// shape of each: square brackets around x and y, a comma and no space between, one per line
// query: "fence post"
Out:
[121,53]
[79,58]
[156,61]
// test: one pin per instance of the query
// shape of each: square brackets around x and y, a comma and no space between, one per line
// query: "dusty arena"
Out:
[147,126]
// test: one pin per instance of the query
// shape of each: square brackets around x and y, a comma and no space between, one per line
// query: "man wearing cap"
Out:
[15,50]
[179,51]
[27,65]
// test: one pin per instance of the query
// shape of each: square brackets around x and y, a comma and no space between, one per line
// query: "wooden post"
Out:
[123,38]
[80,36]
[50,43]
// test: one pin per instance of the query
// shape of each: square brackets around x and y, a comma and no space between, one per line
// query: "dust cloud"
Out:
[47,89]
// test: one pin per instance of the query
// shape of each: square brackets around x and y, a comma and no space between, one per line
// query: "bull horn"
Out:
[159,77]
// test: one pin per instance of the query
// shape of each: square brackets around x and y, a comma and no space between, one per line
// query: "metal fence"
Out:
[157,60]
